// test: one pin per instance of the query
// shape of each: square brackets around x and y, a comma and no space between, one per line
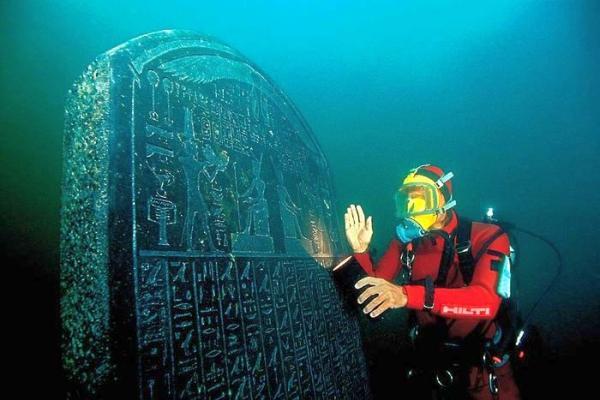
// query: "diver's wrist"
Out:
[362,249]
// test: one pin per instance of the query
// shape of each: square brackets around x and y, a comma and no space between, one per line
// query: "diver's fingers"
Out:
[347,221]
[370,224]
[367,293]
[383,307]
[369,280]
[361,215]
[355,215]
[373,304]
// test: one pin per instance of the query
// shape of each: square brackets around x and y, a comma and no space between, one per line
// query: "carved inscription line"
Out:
[167,291]
[209,255]
[305,315]
[248,371]
[200,353]
[261,330]
[298,331]
[281,296]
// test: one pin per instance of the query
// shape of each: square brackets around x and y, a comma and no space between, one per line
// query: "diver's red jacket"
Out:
[463,306]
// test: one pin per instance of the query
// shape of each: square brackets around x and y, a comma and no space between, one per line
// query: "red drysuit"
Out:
[462,306]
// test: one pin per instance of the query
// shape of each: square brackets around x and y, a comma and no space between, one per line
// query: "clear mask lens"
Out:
[416,199]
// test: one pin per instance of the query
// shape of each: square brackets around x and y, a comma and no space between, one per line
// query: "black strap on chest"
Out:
[447,257]
[429,293]
[466,260]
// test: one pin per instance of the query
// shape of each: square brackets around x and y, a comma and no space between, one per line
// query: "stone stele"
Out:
[198,231]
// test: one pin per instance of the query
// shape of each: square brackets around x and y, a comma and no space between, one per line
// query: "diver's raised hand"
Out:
[358,230]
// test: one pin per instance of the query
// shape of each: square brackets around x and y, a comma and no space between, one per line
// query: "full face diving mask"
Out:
[418,204]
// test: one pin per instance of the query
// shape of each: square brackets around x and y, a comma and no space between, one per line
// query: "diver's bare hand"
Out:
[387,295]
[358,230]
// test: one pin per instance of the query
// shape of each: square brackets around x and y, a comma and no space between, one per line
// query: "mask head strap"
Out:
[440,182]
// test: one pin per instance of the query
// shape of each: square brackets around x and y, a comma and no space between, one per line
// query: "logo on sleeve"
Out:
[473,311]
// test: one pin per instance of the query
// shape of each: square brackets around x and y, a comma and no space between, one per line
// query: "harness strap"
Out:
[447,257]
[487,244]
[429,293]
[467,261]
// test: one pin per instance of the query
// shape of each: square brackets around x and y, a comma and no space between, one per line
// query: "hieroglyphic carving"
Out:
[222,220]
[154,326]
[276,367]
[242,329]
[305,364]
[215,375]
[160,209]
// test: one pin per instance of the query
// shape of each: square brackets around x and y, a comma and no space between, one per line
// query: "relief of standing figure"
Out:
[256,236]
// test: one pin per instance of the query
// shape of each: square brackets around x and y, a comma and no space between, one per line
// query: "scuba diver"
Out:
[457,282]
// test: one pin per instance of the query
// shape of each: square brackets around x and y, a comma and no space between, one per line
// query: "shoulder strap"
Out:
[467,261]
[463,249]
[487,244]
[462,231]
[447,257]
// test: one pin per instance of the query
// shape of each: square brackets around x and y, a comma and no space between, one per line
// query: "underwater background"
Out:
[506,94]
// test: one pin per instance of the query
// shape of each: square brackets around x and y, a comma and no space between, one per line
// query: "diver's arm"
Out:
[388,265]
[479,300]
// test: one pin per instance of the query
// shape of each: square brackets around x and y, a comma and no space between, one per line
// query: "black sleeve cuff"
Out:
[429,293]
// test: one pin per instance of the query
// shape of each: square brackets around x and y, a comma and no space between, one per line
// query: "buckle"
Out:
[463,247]
[493,383]
[407,258]
[444,378]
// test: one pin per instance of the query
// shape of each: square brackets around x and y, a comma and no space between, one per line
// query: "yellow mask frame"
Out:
[420,199]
